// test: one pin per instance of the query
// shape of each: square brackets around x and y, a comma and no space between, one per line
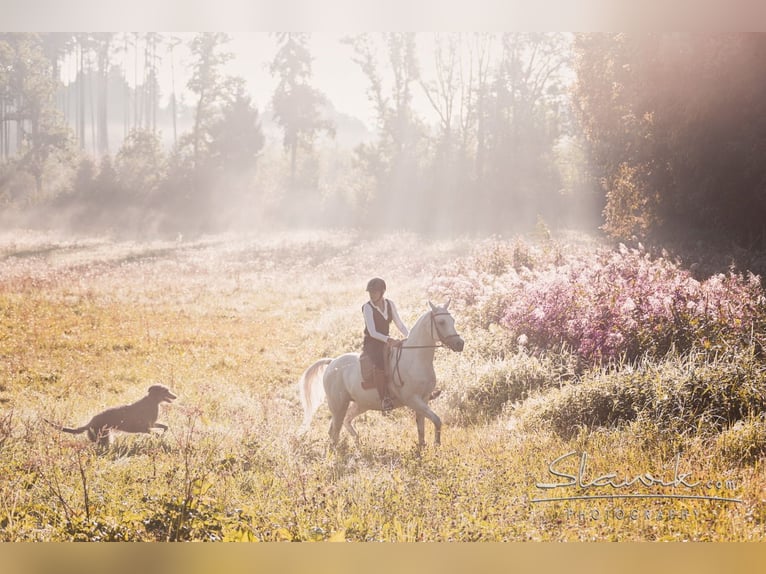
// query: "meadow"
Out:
[652,378]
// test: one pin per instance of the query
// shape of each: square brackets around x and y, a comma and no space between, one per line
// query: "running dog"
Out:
[138,417]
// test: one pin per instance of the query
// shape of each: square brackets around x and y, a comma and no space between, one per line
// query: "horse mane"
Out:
[421,319]
[423,323]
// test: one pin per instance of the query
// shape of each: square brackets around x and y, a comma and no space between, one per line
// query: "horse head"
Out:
[444,327]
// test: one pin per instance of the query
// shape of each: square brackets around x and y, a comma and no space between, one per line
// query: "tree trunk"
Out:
[81,97]
[92,102]
[197,128]
[126,94]
[136,115]
[103,101]
[3,155]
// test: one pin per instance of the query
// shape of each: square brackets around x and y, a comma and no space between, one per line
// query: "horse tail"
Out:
[311,389]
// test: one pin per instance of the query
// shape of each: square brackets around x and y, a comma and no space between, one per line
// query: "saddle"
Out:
[372,382]
[372,377]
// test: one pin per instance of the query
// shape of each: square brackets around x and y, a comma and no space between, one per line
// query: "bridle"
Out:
[434,327]
[442,342]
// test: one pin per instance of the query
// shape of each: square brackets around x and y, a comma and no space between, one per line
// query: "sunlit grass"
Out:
[229,323]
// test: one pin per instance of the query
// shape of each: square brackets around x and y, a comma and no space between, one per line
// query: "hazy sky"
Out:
[375,15]
[341,80]
[334,72]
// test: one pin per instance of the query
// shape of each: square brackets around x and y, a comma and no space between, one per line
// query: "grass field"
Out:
[230,322]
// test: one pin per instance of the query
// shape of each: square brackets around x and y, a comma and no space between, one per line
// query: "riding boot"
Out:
[381,382]
[368,370]
[387,403]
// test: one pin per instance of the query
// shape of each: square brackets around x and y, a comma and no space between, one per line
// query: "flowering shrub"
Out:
[479,284]
[606,304]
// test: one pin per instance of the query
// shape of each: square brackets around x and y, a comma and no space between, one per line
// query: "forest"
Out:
[643,135]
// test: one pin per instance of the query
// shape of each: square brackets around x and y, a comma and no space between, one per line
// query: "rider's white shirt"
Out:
[369,321]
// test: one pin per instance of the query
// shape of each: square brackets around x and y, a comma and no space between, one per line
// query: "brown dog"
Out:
[140,416]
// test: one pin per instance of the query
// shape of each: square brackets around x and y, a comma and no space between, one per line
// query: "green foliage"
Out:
[140,164]
[684,396]
[744,442]
[512,381]
[673,124]
[631,207]
[28,87]
[298,107]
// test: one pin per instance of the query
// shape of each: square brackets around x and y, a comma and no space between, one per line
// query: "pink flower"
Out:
[602,303]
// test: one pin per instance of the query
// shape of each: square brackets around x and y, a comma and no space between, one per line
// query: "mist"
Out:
[160,134]
[157,134]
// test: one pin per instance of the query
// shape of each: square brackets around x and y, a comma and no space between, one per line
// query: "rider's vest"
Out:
[382,325]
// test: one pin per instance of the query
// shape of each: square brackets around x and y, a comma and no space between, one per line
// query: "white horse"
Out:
[412,366]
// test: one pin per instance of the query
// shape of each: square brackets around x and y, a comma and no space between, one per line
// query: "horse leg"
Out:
[422,409]
[420,421]
[338,407]
[353,412]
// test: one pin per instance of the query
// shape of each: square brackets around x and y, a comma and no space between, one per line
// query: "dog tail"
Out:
[311,391]
[70,430]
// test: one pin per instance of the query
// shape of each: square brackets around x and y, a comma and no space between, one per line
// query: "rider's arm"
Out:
[398,322]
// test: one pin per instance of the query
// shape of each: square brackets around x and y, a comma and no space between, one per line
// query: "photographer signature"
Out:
[581,481]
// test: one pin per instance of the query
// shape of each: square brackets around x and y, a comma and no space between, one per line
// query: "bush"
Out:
[501,385]
[607,400]
[745,442]
[675,395]
[608,305]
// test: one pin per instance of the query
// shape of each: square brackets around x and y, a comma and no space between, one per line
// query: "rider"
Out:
[378,313]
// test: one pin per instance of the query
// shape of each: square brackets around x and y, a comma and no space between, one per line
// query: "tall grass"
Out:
[230,322]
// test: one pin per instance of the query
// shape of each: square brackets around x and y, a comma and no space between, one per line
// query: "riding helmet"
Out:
[376,284]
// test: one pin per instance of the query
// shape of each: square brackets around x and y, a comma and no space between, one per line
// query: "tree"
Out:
[392,162]
[297,105]
[57,46]
[524,127]
[102,44]
[460,69]
[213,164]
[236,143]
[236,137]
[140,164]
[675,127]
[172,43]
[499,101]
[208,84]
[6,95]
[82,47]
[151,81]
[28,95]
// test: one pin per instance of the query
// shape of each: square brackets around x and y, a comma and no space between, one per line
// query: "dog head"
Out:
[161,393]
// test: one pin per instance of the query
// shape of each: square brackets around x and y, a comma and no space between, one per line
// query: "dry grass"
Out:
[229,323]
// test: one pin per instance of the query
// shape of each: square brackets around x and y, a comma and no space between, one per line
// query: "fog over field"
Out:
[204,211]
